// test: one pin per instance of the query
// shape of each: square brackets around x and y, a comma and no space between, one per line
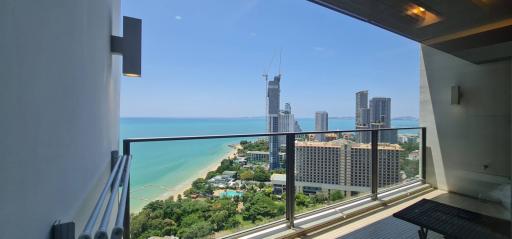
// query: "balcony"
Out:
[60,120]
[324,176]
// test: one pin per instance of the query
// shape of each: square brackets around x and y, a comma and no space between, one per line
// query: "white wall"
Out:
[59,111]
[461,139]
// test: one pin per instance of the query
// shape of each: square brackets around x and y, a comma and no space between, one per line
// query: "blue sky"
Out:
[205,58]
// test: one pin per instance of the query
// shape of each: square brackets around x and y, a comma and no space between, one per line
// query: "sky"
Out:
[205,58]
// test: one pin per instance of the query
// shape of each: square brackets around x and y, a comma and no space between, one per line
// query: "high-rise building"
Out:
[318,162]
[380,117]
[273,95]
[344,165]
[376,116]
[287,123]
[362,117]
[361,103]
[321,124]
[287,108]
[388,165]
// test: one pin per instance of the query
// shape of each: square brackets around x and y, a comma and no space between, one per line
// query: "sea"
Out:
[161,167]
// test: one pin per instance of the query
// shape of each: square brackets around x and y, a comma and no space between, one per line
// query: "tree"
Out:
[261,185]
[197,230]
[218,219]
[259,206]
[336,195]
[261,175]
[246,175]
[302,200]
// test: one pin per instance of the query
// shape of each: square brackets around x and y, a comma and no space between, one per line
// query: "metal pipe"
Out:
[290,179]
[102,229]
[374,168]
[86,233]
[117,231]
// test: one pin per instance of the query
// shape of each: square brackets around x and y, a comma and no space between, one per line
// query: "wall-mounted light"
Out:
[129,45]
[455,96]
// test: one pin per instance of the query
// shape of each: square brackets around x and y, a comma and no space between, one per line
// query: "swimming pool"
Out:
[230,194]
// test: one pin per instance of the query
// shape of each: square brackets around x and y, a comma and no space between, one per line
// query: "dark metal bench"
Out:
[453,222]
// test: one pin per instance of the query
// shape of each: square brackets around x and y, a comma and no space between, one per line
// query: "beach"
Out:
[181,188]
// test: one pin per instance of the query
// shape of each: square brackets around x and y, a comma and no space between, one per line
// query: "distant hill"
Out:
[405,118]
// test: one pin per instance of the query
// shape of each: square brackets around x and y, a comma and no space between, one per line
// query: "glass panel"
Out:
[192,189]
[399,157]
[329,168]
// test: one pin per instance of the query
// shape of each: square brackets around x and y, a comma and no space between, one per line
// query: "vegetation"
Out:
[225,165]
[261,175]
[186,218]
[410,167]
[305,201]
[201,216]
[199,187]
[258,145]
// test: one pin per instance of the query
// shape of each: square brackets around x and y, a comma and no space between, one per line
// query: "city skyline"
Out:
[223,51]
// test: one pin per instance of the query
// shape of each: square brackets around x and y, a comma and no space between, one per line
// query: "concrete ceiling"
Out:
[475,30]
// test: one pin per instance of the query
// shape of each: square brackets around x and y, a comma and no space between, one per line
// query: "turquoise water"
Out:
[159,167]
[231,194]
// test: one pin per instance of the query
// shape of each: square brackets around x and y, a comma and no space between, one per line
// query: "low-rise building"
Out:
[408,138]
[261,156]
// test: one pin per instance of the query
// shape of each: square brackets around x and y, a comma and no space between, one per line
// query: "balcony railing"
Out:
[290,161]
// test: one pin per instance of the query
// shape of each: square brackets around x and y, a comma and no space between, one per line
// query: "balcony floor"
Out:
[383,225]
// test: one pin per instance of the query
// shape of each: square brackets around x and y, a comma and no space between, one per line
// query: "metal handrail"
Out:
[87,231]
[117,231]
[221,136]
[102,229]
[121,168]
[290,139]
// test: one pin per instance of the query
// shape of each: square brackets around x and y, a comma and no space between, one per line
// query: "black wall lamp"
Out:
[129,45]
[455,95]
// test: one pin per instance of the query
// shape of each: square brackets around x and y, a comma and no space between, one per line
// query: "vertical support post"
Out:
[374,168]
[290,179]
[114,156]
[424,154]
[126,226]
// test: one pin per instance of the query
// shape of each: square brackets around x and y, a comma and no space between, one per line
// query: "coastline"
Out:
[180,189]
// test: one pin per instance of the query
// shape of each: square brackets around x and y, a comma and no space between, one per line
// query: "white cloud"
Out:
[177,18]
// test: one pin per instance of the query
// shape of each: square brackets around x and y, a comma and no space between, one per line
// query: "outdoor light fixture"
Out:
[455,95]
[423,16]
[129,45]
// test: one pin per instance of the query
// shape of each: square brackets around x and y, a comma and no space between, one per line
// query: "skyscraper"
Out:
[273,94]
[362,117]
[286,122]
[321,124]
[380,117]
[287,108]
[361,103]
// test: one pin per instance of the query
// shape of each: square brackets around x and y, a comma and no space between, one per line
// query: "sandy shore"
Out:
[180,189]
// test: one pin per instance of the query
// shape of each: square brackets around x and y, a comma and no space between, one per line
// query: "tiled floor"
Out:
[388,228]
[382,225]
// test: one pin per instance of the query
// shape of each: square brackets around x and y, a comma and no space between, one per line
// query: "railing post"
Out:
[424,154]
[374,165]
[290,179]
[126,225]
